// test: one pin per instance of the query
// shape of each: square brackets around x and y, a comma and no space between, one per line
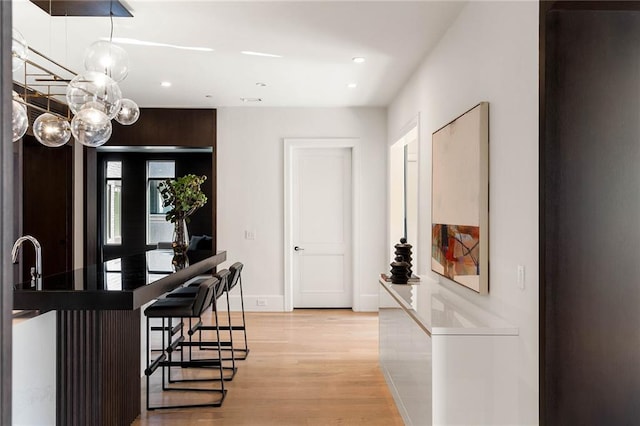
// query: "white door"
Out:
[321,225]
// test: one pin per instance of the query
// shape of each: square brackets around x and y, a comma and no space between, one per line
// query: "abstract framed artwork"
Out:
[460,200]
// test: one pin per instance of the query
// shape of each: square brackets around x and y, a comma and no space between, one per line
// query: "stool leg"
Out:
[147,364]
[244,324]
[164,387]
[220,368]
[233,358]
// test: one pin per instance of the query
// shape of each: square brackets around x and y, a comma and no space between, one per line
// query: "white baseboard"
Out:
[369,303]
[271,303]
[275,303]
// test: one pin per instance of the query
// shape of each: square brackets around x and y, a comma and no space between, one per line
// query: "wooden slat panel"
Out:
[98,363]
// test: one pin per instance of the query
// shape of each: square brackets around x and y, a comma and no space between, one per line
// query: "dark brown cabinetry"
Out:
[44,206]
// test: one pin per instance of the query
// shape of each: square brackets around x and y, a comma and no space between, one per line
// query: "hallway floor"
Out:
[307,367]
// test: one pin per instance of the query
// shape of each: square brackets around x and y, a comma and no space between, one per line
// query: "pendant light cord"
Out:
[111,20]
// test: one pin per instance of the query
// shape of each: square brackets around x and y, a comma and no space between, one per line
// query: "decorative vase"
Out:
[180,240]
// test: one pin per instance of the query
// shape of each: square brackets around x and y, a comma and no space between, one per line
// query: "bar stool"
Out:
[187,292]
[185,307]
[236,279]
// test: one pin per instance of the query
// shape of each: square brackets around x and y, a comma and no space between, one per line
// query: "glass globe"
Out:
[19,120]
[51,130]
[19,50]
[92,86]
[91,127]
[129,112]
[107,58]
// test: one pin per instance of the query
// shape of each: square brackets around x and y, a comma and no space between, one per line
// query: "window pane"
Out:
[154,198]
[161,169]
[114,169]
[113,212]
[158,229]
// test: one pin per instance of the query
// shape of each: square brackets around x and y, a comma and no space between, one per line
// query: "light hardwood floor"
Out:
[307,367]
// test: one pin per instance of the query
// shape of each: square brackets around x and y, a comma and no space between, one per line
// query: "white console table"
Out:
[446,361]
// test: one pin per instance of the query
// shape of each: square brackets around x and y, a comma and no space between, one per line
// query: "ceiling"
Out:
[315,39]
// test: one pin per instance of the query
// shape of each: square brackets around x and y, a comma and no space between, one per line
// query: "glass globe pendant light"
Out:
[92,86]
[51,131]
[107,58]
[129,112]
[19,119]
[91,127]
[19,50]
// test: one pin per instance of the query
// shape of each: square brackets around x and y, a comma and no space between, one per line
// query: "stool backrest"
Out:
[235,269]
[203,299]
[223,276]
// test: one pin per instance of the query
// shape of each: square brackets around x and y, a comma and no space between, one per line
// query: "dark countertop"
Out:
[125,283]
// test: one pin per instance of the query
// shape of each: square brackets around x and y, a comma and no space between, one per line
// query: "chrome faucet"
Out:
[36,272]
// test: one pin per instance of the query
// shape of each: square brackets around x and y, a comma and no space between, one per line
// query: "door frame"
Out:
[291,145]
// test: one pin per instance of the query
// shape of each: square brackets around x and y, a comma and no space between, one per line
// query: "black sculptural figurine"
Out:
[403,249]
[399,268]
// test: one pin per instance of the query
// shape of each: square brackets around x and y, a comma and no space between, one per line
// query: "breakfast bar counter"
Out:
[98,331]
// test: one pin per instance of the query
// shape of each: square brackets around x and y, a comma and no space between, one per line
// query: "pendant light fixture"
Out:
[19,120]
[51,130]
[129,112]
[93,96]
[19,49]
[107,58]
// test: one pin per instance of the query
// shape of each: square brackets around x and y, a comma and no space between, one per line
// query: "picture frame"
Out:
[460,200]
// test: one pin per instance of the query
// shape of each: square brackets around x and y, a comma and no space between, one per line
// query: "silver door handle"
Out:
[296,248]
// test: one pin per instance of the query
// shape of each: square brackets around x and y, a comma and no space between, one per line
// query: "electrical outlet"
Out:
[249,235]
[520,273]
[261,302]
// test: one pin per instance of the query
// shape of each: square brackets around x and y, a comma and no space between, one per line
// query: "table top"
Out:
[124,283]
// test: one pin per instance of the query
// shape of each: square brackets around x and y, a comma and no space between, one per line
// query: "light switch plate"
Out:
[520,272]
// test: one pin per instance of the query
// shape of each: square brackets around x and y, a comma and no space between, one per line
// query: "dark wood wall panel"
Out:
[98,358]
[590,241]
[47,209]
[91,253]
[156,127]
[168,127]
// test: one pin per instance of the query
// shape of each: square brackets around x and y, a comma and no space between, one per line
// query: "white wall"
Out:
[490,53]
[251,191]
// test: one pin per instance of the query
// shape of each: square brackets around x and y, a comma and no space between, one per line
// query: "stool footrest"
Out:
[193,363]
[172,347]
[205,344]
[174,330]
[195,328]
[233,327]
[154,365]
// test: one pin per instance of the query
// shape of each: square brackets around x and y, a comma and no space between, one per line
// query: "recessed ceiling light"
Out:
[251,99]
[358,59]
[165,84]
[268,55]
[261,84]
[352,85]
